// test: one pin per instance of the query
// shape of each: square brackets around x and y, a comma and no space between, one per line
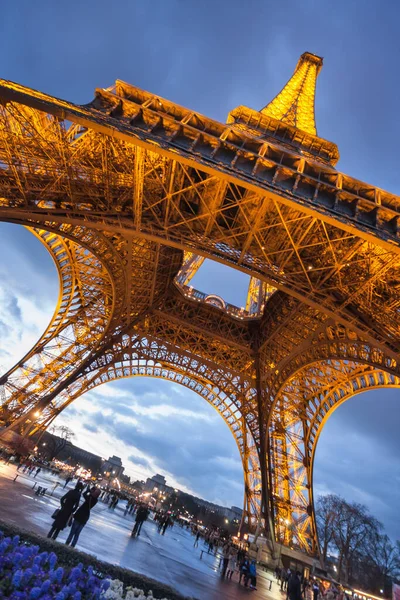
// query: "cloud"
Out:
[90,427]
[140,460]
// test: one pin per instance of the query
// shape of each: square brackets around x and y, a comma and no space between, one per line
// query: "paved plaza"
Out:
[171,559]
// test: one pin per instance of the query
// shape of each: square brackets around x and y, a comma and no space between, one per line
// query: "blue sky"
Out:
[211,56]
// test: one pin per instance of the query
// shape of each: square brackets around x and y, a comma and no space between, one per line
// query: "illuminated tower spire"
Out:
[295,103]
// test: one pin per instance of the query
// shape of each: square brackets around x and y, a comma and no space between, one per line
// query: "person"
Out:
[69,478]
[244,571]
[69,502]
[165,524]
[37,472]
[304,586]
[225,558]
[141,515]
[294,587]
[81,517]
[315,591]
[330,594]
[253,575]
[196,541]
[231,564]
[283,578]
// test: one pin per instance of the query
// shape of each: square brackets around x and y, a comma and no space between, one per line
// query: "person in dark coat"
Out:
[81,517]
[141,516]
[294,587]
[69,503]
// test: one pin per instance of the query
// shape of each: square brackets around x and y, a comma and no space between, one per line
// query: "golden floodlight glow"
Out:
[129,193]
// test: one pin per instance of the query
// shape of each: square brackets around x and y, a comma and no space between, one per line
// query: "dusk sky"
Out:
[210,56]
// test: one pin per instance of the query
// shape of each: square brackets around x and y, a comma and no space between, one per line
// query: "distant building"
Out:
[157,483]
[51,445]
[112,467]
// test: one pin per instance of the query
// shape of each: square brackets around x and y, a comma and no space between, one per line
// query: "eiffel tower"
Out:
[129,194]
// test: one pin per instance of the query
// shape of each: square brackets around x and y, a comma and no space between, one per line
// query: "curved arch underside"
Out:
[298,415]
[117,191]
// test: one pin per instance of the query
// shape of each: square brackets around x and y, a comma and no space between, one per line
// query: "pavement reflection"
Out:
[171,558]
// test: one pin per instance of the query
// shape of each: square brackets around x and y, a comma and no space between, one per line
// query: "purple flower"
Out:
[75,574]
[105,585]
[35,593]
[17,579]
[45,586]
[60,596]
[52,560]
[27,576]
[77,596]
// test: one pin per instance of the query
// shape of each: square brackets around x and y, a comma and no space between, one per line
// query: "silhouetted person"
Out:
[81,517]
[165,524]
[141,515]
[294,587]
[69,503]
[69,478]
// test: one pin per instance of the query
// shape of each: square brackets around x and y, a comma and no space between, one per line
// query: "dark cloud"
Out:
[140,460]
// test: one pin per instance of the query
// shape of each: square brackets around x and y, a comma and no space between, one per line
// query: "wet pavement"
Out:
[171,559]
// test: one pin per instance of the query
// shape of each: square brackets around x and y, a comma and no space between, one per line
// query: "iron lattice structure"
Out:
[129,194]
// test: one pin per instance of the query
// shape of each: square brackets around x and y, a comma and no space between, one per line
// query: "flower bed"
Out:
[34,567]
[27,573]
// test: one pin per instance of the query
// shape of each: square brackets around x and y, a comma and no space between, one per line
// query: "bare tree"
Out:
[62,435]
[353,533]
[326,513]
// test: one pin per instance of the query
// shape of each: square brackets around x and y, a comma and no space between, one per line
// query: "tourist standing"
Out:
[165,524]
[196,541]
[244,571]
[294,587]
[142,514]
[69,503]
[81,517]
[225,558]
[69,478]
[315,591]
[253,575]
[231,563]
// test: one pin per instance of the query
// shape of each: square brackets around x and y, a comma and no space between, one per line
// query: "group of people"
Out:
[28,467]
[72,514]
[236,560]
[296,587]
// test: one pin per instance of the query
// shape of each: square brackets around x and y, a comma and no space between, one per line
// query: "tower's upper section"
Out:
[294,105]
[289,120]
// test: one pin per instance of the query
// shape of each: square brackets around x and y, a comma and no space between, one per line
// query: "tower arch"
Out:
[300,410]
